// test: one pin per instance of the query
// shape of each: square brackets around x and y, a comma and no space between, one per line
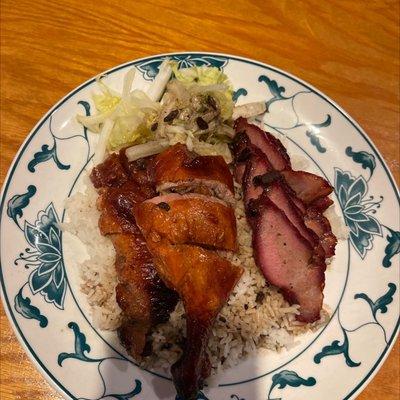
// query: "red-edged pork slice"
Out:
[317,222]
[277,194]
[241,150]
[257,171]
[287,259]
[297,202]
[267,143]
[300,206]
[322,204]
[314,220]
[308,187]
[239,172]
[260,177]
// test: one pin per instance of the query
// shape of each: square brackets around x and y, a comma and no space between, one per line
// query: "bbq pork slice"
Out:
[278,195]
[321,204]
[318,223]
[257,169]
[177,169]
[260,179]
[307,186]
[241,151]
[287,259]
[271,146]
[284,209]
[142,296]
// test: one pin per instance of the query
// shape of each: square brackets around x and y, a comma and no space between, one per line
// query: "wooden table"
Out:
[348,49]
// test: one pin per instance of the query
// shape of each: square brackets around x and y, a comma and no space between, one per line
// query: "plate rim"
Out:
[7,180]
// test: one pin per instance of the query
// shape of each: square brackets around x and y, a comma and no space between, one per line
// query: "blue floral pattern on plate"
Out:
[44,237]
[150,68]
[357,210]
[18,202]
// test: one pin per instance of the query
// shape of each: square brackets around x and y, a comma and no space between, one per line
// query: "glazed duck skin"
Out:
[204,282]
[142,296]
[191,218]
[204,291]
[175,228]
[179,170]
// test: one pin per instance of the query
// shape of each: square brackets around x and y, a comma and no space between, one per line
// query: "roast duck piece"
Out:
[143,297]
[182,233]
[178,170]
[166,247]
[291,237]
[183,229]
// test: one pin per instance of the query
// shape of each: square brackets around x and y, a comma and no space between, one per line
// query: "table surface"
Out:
[347,49]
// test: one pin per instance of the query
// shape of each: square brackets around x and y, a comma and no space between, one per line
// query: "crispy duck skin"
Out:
[109,173]
[287,259]
[191,218]
[143,297]
[117,172]
[141,294]
[204,282]
[177,169]
[175,228]
[204,290]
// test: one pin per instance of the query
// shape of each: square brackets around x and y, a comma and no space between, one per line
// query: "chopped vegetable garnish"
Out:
[195,107]
[249,110]
[144,150]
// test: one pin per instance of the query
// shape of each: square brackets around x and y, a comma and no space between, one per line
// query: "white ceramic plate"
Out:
[50,317]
